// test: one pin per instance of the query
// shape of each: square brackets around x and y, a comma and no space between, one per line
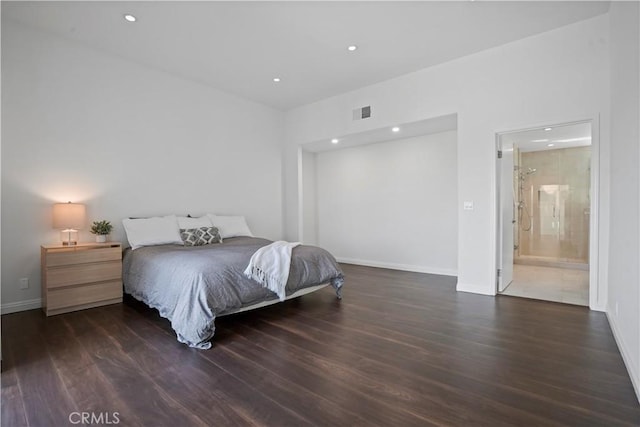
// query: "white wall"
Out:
[126,140]
[555,77]
[309,199]
[0,185]
[391,204]
[624,274]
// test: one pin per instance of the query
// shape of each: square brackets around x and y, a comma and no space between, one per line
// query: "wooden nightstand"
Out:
[83,276]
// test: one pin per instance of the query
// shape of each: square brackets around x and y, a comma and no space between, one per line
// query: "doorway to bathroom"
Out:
[545,213]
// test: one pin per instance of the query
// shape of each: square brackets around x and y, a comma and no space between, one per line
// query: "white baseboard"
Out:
[631,369]
[475,289]
[403,267]
[14,307]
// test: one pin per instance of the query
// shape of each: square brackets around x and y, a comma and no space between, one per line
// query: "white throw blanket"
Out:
[270,266]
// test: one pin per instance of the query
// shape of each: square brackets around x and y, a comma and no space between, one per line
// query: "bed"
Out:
[192,285]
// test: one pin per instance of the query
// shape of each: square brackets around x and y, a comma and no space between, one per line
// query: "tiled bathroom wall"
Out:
[556,204]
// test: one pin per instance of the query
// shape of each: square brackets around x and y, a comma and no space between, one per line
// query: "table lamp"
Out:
[69,217]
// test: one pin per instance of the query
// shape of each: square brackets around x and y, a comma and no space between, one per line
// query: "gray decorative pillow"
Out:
[200,236]
[208,235]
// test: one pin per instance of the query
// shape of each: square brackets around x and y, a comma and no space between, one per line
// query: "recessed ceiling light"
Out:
[584,138]
[550,145]
[548,129]
[276,79]
[130,18]
[334,141]
[395,129]
[352,48]
[539,140]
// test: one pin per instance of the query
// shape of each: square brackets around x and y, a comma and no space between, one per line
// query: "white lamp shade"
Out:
[68,216]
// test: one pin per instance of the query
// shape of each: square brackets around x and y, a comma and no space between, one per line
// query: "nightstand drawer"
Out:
[73,256]
[79,295]
[82,276]
[83,273]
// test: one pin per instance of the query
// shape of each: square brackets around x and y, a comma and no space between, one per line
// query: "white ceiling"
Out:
[241,46]
[561,136]
[405,130]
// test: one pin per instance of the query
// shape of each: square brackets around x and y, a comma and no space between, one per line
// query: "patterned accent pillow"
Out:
[200,236]
[208,235]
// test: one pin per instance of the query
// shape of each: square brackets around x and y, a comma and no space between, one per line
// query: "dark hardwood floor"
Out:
[400,349]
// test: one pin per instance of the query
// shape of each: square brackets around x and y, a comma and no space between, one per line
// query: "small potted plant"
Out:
[101,229]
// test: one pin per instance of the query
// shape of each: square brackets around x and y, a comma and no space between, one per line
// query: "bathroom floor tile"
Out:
[550,284]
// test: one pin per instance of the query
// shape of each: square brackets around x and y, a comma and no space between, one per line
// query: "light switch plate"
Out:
[468,206]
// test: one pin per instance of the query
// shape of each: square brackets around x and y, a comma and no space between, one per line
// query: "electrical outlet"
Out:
[24,283]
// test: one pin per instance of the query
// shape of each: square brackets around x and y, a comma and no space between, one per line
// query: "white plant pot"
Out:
[101,238]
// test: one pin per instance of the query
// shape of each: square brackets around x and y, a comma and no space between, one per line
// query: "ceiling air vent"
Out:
[362,113]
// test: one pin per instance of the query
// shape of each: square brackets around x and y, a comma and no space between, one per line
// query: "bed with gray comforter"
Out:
[191,285]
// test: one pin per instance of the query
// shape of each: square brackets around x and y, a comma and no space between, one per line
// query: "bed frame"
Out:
[296,294]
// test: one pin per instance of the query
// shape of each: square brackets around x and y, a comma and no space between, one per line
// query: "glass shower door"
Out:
[551,219]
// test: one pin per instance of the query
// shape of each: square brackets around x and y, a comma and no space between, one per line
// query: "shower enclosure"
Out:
[552,200]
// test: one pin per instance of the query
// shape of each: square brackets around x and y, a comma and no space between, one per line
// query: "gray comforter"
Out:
[190,286]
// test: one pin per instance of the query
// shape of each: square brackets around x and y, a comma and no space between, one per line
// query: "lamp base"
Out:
[69,237]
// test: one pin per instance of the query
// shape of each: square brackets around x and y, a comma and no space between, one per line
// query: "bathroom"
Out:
[551,213]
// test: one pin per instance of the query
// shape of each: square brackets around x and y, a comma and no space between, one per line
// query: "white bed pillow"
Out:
[152,231]
[230,226]
[185,222]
